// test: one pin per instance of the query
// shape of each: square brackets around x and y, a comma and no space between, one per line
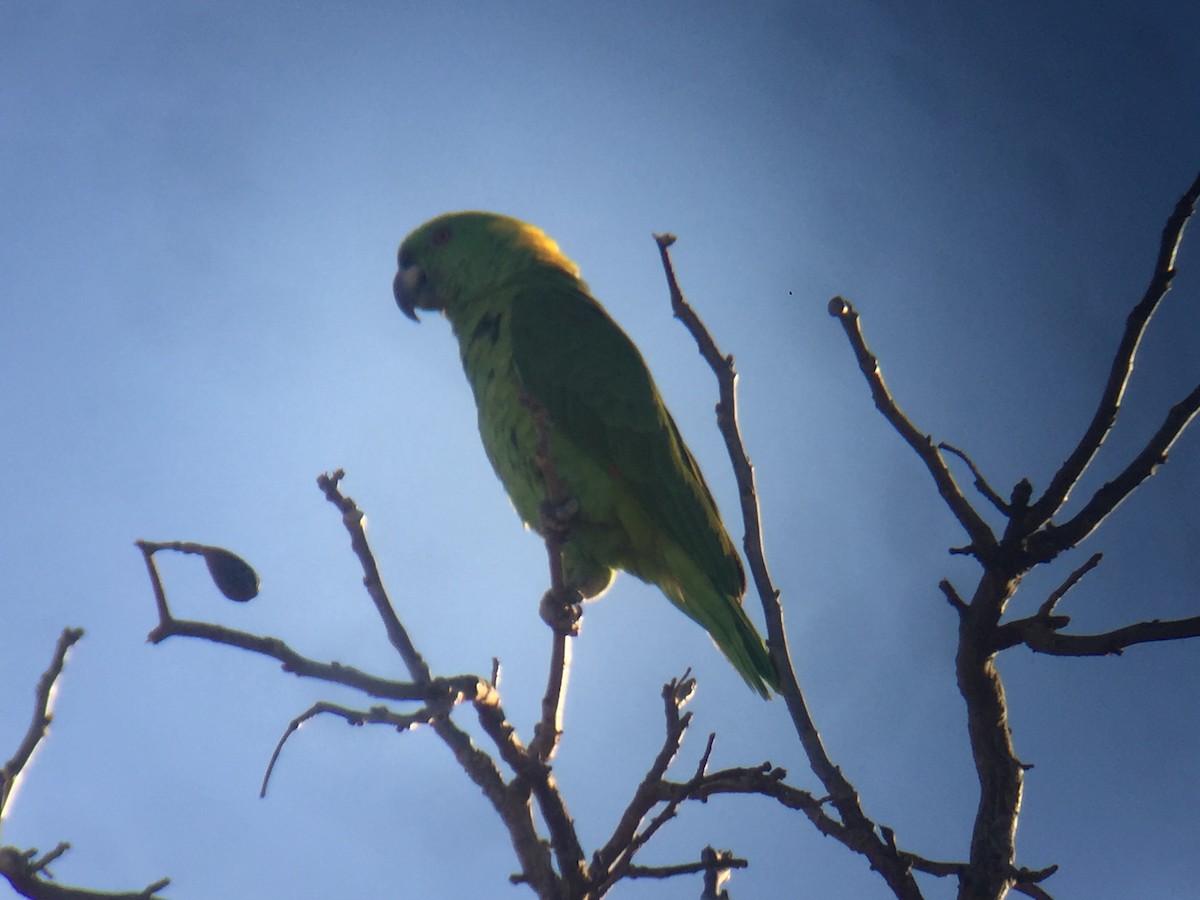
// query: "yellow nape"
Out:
[546,248]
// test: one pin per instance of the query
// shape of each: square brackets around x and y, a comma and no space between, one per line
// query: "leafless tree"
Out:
[517,776]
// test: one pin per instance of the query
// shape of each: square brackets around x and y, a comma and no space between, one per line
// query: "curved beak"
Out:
[405,280]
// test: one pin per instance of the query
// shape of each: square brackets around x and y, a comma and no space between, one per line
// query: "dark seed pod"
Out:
[232,575]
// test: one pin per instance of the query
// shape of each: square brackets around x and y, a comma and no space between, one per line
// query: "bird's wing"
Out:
[584,370]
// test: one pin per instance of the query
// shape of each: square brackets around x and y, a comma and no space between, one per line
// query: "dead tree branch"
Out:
[981,483]
[27,872]
[1073,579]
[39,723]
[1052,540]
[1105,417]
[983,542]
[860,832]
[353,519]
[555,867]
[28,876]
[1041,636]
[1031,539]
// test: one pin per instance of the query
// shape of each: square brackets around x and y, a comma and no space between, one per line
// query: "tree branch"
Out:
[1041,635]
[675,694]
[460,687]
[511,800]
[1052,540]
[24,869]
[981,483]
[983,542]
[24,873]
[1073,467]
[39,723]
[724,859]
[1073,579]
[561,608]
[860,834]
[354,521]
[376,715]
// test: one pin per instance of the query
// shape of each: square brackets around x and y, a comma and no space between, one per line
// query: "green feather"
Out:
[528,329]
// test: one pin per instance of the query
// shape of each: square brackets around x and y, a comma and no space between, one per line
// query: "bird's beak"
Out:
[406,279]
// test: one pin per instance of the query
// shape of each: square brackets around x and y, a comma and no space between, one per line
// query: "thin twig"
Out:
[1041,637]
[39,723]
[727,421]
[559,607]
[507,800]
[859,833]
[603,873]
[376,715]
[24,872]
[668,812]
[1076,463]
[981,483]
[983,541]
[1053,540]
[354,520]
[952,596]
[1061,591]
[726,861]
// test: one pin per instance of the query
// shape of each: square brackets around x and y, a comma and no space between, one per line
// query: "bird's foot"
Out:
[562,610]
[557,518]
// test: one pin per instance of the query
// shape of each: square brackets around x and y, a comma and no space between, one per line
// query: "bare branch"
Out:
[1073,467]
[1041,636]
[671,808]
[560,606]
[767,781]
[42,716]
[24,869]
[743,470]
[952,596]
[1052,601]
[455,688]
[983,541]
[24,873]
[675,694]
[981,483]
[611,863]
[376,715]
[354,520]
[724,859]
[861,834]
[1053,540]
[510,801]
[1028,882]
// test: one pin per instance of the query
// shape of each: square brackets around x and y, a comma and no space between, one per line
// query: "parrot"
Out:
[533,339]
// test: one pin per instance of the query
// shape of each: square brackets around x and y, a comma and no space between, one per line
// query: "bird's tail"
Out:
[732,631]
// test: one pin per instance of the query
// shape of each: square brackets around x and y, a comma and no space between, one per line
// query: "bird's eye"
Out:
[441,236]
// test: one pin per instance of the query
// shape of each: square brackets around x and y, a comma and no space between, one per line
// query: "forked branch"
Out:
[983,541]
[26,871]
[1076,463]
[860,832]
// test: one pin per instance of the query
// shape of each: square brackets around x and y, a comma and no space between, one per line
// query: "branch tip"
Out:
[840,307]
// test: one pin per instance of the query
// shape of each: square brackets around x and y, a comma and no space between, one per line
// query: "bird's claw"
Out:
[557,518]
[562,610]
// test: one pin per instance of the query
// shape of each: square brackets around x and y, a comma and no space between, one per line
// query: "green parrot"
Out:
[531,335]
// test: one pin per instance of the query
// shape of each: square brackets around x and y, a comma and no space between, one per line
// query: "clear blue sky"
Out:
[199,209]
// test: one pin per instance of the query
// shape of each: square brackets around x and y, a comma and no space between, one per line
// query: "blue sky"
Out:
[199,209]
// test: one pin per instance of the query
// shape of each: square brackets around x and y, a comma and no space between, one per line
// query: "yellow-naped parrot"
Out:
[531,336]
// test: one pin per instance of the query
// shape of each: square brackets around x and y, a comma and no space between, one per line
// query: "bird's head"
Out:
[457,253]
